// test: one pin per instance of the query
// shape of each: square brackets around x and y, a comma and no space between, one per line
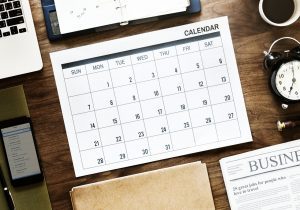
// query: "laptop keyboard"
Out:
[11,18]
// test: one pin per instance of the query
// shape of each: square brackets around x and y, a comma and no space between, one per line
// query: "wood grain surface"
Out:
[251,36]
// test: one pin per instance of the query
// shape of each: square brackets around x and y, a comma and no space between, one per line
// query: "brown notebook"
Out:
[180,187]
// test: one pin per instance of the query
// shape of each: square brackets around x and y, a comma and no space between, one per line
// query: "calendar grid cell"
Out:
[95,72]
[77,71]
[118,67]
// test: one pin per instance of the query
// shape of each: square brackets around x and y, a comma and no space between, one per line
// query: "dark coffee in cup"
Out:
[278,11]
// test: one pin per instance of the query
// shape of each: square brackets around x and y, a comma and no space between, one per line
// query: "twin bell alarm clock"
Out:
[285,73]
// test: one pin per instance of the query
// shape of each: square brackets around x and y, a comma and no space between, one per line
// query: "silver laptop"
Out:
[19,49]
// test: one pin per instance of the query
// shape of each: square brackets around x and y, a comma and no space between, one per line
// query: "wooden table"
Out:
[251,36]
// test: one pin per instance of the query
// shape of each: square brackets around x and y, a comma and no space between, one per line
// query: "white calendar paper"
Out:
[151,96]
[77,15]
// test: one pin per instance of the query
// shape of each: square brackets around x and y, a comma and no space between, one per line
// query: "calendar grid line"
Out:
[158,79]
[170,151]
[141,110]
[231,86]
[195,127]
[209,94]
[186,97]
[147,118]
[118,115]
[95,118]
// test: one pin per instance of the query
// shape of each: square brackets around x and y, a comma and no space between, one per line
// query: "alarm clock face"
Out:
[287,80]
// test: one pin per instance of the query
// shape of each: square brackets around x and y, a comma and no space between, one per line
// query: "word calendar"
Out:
[151,96]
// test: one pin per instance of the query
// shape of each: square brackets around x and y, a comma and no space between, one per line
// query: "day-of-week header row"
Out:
[143,57]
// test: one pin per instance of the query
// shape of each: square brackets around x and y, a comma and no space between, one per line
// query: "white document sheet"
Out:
[137,9]
[267,178]
[151,96]
[77,15]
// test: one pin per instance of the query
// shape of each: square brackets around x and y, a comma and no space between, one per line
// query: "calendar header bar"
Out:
[141,50]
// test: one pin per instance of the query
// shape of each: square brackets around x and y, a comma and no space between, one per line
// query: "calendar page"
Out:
[151,96]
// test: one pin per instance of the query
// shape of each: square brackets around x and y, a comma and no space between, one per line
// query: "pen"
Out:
[287,124]
[8,196]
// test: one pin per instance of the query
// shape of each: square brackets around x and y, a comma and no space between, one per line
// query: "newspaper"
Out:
[267,178]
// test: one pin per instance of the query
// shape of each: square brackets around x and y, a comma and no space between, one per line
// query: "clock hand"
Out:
[294,79]
[291,88]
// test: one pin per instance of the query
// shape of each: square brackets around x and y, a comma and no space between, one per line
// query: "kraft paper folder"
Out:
[180,187]
[32,197]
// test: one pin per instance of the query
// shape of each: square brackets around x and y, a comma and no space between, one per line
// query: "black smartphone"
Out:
[20,150]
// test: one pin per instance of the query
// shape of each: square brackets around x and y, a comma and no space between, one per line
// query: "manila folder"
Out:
[180,187]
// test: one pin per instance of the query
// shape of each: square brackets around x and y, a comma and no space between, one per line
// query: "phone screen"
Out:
[20,150]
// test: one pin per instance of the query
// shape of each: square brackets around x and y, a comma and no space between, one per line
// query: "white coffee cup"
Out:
[290,21]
